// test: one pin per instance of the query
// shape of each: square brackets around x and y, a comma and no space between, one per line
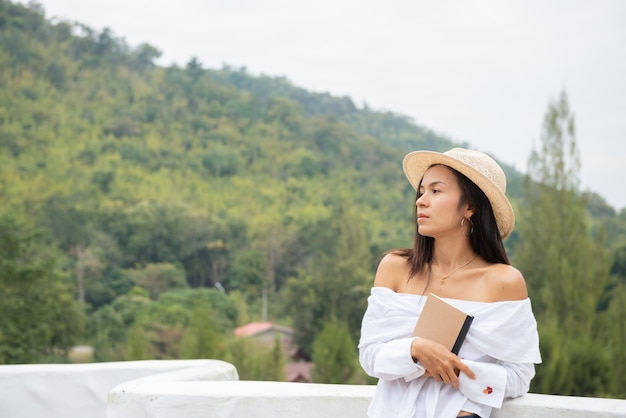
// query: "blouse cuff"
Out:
[394,361]
[489,385]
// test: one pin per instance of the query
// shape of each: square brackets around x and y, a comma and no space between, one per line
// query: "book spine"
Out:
[462,333]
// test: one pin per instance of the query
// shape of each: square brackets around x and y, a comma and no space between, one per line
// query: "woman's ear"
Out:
[469,210]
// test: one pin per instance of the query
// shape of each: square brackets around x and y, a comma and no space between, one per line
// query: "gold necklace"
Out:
[444,278]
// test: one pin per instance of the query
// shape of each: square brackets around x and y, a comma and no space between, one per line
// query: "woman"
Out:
[462,215]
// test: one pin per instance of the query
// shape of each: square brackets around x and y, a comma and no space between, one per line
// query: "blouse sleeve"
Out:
[496,381]
[390,360]
[385,344]
[507,333]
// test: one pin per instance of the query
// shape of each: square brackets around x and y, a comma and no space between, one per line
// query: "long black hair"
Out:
[485,238]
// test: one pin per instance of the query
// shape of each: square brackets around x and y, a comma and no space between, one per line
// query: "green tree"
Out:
[107,334]
[338,281]
[70,227]
[105,278]
[277,361]
[334,354]
[137,347]
[616,335]
[566,268]
[112,328]
[39,316]
[157,278]
[248,272]
[255,359]
[187,322]
[202,338]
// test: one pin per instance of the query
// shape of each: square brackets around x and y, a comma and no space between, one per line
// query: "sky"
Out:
[481,72]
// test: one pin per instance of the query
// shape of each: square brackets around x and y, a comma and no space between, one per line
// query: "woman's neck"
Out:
[451,253]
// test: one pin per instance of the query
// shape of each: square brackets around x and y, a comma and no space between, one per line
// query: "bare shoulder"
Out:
[507,283]
[392,268]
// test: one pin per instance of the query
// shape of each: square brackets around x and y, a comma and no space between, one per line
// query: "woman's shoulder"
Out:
[392,268]
[393,259]
[506,282]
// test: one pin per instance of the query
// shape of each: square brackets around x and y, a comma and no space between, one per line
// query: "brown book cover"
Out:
[443,323]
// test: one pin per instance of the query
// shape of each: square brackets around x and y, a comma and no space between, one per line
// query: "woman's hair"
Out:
[484,239]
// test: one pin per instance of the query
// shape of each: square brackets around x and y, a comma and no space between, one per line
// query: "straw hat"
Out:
[483,170]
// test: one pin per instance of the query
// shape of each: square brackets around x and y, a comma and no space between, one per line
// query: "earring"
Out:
[471,226]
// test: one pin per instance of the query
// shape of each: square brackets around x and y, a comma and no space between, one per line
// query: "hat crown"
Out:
[482,163]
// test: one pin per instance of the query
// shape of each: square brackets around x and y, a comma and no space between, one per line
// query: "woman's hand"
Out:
[443,365]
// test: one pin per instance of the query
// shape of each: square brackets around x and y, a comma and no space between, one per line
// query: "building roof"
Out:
[255,328]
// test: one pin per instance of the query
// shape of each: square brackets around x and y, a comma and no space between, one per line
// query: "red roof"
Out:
[254,328]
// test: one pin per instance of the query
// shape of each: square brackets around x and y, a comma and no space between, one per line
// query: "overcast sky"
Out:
[477,71]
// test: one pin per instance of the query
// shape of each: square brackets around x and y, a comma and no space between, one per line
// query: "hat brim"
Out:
[416,163]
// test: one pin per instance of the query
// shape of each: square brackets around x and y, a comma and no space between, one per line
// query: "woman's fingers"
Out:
[464,368]
[448,372]
[450,378]
[439,362]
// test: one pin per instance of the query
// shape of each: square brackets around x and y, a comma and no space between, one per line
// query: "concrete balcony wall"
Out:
[309,400]
[210,388]
[238,399]
[81,390]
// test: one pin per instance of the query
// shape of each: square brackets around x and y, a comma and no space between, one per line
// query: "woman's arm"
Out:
[382,357]
[390,360]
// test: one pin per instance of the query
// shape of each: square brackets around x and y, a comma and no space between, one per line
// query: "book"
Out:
[443,323]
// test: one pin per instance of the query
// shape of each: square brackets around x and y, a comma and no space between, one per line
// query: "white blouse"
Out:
[501,348]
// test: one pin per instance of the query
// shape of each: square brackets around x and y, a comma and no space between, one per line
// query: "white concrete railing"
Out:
[238,399]
[209,388]
[309,400]
[81,390]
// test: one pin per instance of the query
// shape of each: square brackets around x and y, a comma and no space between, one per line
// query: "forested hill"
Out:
[393,129]
[84,106]
[125,166]
[90,124]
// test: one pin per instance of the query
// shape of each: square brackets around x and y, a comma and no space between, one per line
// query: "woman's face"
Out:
[438,212]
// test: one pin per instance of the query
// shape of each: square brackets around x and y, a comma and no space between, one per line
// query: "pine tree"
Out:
[615,315]
[565,267]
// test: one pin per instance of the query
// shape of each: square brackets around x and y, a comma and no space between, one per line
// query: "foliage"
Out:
[185,323]
[339,281]
[157,278]
[255,360]
[577,366]
[567,269]
[39,314]
[107,332]
[614,339]
[334,354]
[249,272]
[201,339]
